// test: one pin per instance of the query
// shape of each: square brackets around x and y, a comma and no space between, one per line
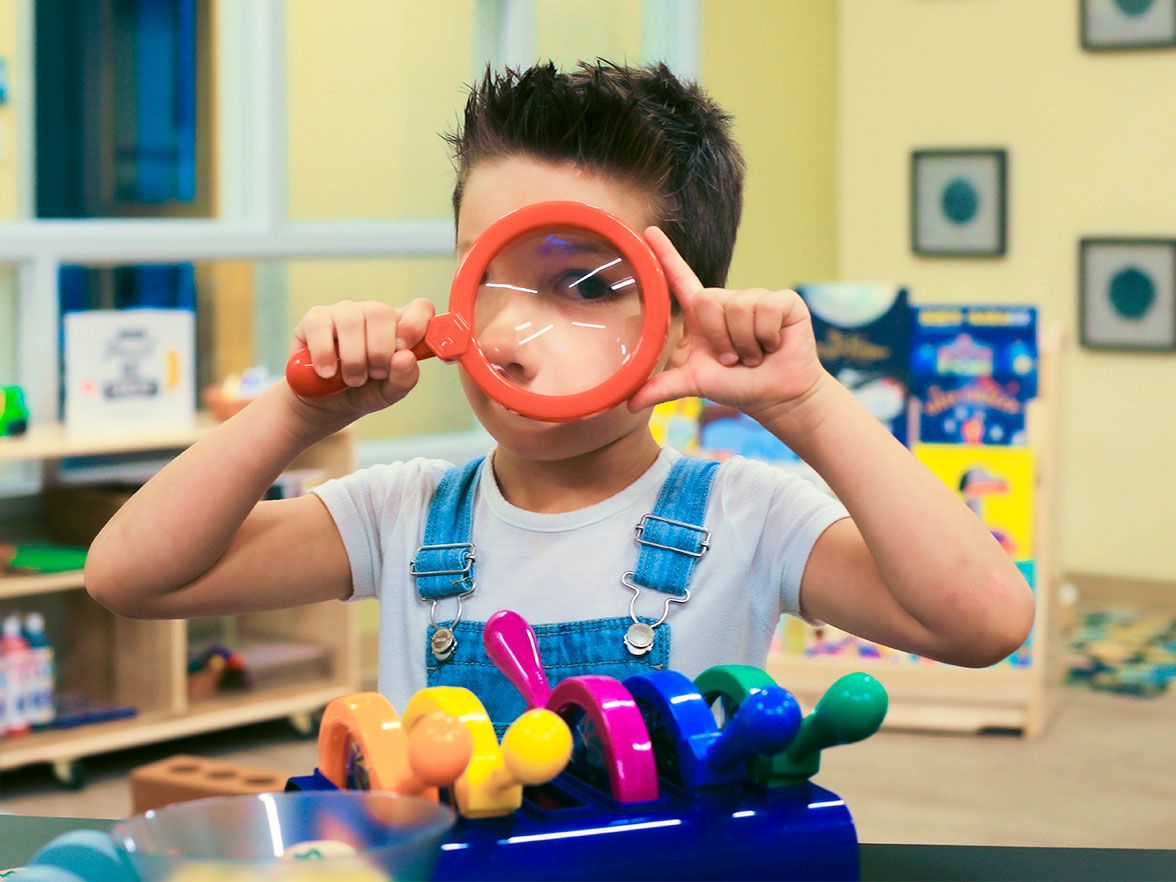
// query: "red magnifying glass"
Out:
[558,311]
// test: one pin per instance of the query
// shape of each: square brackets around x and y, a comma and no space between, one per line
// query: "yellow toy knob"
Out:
[537,747]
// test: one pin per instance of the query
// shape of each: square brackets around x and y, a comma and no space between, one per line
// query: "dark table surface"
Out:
[21,836]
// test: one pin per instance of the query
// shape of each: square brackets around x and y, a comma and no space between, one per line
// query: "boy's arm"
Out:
[195,541]
[914,568]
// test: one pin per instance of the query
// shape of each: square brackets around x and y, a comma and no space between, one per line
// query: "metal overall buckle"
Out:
[443,643]
[640,636]
[702,547]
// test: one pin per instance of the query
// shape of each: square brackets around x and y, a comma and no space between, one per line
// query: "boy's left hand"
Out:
[753,350]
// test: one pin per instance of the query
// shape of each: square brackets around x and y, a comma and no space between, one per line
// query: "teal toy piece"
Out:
[852,709]
[690,748]
[86,855]
[41,873]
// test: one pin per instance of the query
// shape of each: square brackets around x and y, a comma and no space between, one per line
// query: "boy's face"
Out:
[494,188]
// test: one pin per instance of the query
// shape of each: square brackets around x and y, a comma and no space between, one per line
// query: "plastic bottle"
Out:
[40,703]
[17,658]
[3,694]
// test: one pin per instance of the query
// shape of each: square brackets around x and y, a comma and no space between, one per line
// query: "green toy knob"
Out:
[851,710]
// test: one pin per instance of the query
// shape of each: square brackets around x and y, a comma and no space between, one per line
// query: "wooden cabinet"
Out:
[144,663]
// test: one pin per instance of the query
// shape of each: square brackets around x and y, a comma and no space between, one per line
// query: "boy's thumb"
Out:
[657,389]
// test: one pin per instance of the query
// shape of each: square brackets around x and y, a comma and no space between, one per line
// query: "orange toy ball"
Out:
[439,749]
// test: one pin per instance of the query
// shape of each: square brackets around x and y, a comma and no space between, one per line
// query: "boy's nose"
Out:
[512,339]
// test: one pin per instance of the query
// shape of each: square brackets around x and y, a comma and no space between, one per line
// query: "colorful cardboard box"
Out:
[973,369]
[863,339]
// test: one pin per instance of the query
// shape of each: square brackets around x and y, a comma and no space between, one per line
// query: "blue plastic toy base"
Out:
[570,830]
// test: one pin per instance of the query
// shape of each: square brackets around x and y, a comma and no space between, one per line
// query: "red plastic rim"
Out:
[655,309]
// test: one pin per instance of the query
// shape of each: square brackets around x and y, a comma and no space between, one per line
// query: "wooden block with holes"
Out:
[181,778]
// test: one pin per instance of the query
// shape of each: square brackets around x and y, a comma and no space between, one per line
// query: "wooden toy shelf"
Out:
[945,698]
[144,663]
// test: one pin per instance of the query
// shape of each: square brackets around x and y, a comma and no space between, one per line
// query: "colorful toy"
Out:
[722,800]
[729,801]
[571,286]
[445,738]
[14,413]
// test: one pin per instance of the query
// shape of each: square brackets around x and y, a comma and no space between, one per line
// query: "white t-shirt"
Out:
[568,566]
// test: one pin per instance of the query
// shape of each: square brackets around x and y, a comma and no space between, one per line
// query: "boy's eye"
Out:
[584,285]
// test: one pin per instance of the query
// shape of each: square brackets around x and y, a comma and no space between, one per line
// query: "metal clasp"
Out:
[470,556]
[457,619]
[704,545]
[627,581]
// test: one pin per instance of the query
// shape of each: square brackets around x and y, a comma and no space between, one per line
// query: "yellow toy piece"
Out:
[535,749]
[363,731]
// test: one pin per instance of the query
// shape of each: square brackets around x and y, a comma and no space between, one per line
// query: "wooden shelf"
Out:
[23,586]
[52,441]
[932,696]
[66,745]
[143,664]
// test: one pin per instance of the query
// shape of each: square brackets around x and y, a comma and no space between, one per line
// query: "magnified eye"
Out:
[585,285]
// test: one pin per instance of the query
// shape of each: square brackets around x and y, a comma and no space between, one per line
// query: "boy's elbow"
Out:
[105,588]
[1009,621]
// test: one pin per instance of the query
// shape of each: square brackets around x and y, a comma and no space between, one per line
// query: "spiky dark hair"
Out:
[640,124]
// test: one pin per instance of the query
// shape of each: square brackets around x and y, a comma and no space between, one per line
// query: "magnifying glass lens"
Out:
[559,311]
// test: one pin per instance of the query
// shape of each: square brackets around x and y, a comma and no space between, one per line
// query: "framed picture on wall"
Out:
[1127,294]
[958,202]
[1110,25]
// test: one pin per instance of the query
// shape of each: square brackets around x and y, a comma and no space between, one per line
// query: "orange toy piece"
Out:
[363,739]
[535,749]
[182,777]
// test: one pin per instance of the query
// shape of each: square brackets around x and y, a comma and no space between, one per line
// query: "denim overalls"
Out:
[670,540]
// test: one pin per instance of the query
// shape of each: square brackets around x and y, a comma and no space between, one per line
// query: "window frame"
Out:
[252,174]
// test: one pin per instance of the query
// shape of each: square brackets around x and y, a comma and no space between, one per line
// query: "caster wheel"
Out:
[70,774]
[306,724]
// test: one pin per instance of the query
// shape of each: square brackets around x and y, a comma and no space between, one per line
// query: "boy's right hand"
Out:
[369,343]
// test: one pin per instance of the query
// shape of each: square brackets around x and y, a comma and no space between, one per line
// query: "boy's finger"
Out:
[319,333]
[667,386]
[740,313]
[769,318]
[351,334]
[683,282]
[413,322]
[380,330]
[710,321]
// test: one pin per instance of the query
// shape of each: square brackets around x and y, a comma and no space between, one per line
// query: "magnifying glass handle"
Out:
[301,376]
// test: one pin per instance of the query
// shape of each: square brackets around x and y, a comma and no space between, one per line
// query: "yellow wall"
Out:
[368,95]
[773,65]
[1091,139]
[8,116]
[568,31]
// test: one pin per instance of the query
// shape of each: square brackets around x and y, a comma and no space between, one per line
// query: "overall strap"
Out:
[672,538]
[444,564]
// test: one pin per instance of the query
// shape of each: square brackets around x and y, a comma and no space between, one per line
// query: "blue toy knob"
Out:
[765,724]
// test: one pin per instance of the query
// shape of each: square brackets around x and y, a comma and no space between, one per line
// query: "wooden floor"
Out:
[1103,775]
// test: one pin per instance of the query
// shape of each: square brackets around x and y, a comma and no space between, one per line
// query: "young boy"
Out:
[898,559]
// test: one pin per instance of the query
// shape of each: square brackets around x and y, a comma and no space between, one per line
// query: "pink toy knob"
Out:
[512,646]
